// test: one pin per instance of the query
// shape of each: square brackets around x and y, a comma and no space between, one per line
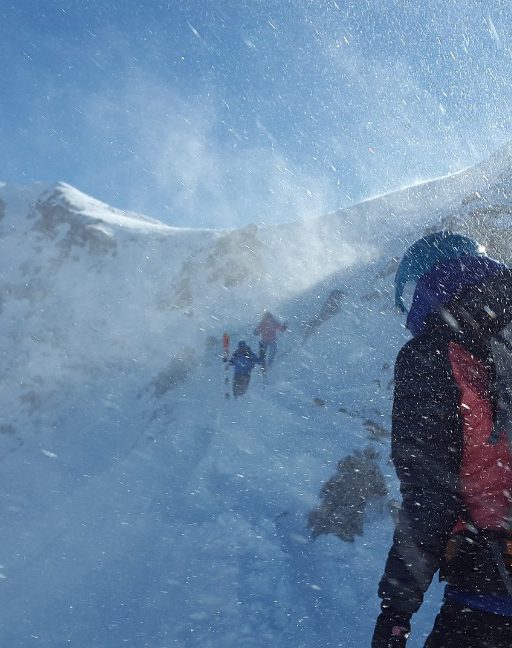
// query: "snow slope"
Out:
[141,508]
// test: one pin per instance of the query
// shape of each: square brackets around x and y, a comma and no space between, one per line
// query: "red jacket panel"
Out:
[485,472]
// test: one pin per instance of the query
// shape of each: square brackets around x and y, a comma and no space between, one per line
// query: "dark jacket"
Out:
[427,451]
[243,360]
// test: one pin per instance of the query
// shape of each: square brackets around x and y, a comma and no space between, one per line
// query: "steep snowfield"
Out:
[142,508]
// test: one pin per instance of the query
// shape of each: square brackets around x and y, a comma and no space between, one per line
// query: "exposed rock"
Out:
[376,430]
[174,374]
[235,257]
[184,295]
[358,479]
[7,429]
[331,307]
[32,400]
[55,220]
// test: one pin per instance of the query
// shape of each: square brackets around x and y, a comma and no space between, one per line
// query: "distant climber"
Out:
[244,361]
[267,329]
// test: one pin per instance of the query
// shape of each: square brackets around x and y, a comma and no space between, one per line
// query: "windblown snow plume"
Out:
[140,506]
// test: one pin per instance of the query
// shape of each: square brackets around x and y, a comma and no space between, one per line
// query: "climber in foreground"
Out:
[244,361]
[267,329]
[451,423]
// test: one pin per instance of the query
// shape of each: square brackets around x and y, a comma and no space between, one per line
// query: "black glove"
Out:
[392,629]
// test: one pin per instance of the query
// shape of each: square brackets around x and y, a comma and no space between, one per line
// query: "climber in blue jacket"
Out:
[244,361]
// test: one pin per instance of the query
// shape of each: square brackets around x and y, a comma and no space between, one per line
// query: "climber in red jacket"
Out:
[267,329]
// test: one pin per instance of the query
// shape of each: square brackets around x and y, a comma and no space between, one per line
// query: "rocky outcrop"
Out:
[331,307]
[358,480]
[57,221]
[234,260]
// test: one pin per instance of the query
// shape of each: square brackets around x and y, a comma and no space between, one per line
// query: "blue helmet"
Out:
[426,252]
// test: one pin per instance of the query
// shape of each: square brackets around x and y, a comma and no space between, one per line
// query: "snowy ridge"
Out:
[140,507]
[72,199]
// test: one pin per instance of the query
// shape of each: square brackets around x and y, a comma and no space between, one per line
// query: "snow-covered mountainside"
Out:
[142,508]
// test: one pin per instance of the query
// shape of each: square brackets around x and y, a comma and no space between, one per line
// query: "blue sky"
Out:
[213,113]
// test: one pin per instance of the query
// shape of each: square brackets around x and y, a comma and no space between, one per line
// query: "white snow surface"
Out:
[140,507]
